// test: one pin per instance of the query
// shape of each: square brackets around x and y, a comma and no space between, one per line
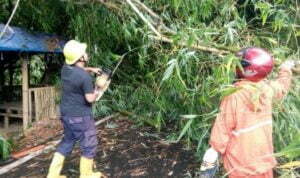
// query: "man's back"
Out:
[76,82]
[242,132]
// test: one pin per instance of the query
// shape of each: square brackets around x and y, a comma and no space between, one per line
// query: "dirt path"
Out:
[125,151]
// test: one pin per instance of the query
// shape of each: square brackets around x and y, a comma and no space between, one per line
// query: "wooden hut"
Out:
[36,102]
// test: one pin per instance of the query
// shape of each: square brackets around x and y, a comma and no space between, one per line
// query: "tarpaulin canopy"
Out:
[21,40]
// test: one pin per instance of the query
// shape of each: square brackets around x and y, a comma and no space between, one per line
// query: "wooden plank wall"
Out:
[42,103]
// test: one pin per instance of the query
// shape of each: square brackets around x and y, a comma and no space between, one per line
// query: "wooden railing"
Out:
[11,110]
[41,105]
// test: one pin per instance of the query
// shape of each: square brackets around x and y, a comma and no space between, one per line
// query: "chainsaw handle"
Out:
[105,71]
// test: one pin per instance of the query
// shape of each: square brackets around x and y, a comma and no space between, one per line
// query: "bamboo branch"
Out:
[160,37]
[105,119]
[7,168]
[143,17]
[150,11]
[10,18]
[153,14]
[160,25]
[216,51]
[109,5]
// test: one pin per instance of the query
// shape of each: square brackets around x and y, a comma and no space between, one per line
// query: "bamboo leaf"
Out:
[229,64]
[171,65]
[185,129]
[4,148]
[190,116]
[293,164]
[293,149]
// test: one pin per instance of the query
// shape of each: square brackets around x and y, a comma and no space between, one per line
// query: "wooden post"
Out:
[11,75]
[2,80]
[6,118]
[30,110]
[25,95]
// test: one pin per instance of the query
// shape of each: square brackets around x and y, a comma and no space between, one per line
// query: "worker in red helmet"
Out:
[242,132]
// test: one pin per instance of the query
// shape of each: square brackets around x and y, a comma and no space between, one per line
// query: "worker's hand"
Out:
[288,64]
[95,70]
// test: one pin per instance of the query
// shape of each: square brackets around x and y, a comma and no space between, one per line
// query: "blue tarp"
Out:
[20,40]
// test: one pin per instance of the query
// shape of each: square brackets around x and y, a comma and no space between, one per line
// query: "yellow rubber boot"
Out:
[86,169]
[56,166]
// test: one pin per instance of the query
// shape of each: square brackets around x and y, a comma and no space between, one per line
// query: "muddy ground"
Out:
[125,151]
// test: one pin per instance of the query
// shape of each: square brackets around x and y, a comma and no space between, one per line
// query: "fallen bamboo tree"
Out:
[50,146]
[158,27]
[163,38]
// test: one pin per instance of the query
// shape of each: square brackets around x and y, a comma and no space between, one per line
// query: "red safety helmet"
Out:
[256,62]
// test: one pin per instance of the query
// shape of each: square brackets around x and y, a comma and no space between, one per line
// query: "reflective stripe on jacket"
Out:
[242,132]
[252,128]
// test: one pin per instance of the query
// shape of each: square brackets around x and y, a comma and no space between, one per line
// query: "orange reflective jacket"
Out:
[242,132]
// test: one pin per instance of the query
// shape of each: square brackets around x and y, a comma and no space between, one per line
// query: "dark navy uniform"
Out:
[76,112]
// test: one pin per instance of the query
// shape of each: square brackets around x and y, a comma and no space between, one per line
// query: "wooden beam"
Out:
[25,94]
[2,81]
[6,119]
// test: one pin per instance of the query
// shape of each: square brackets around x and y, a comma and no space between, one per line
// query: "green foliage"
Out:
[4,148]
[287,128]
[292,151]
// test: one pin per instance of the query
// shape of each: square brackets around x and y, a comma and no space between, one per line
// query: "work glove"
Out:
[296,67]
[209,164]
[288,64]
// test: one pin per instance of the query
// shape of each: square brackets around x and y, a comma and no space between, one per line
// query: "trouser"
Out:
[80,129]
[268,174]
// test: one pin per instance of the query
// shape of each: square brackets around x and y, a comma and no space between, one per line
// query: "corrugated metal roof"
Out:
[21,40]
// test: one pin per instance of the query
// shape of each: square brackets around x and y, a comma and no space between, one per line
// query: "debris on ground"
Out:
[42,131]
[124,151]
